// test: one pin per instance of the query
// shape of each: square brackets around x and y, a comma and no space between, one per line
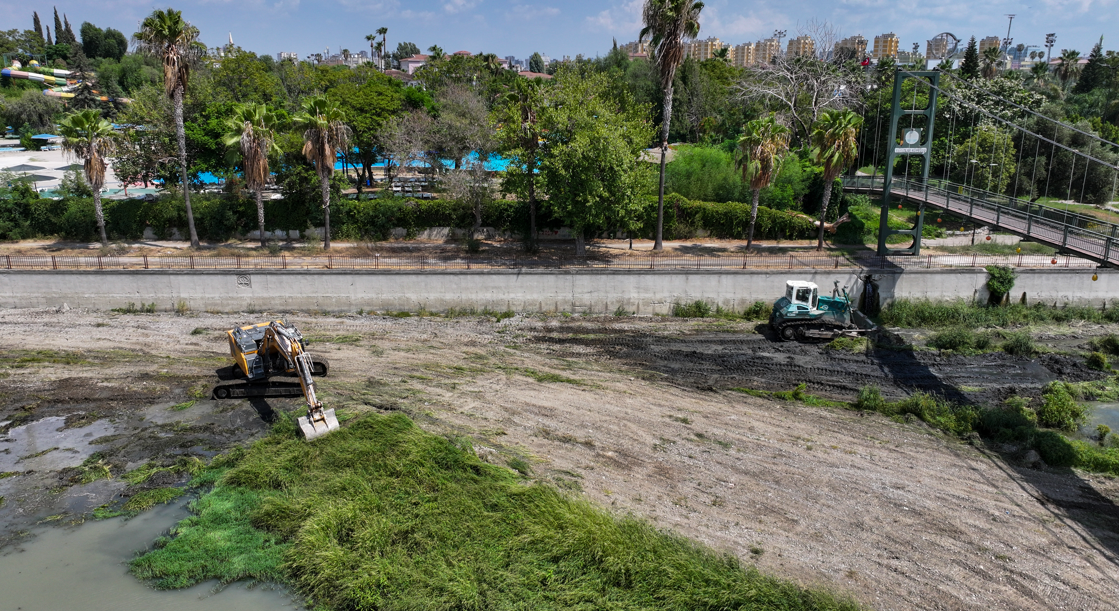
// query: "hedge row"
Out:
[221,217]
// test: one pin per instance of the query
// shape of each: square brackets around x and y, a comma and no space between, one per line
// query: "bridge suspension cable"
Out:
[1012,124]
[1032,112]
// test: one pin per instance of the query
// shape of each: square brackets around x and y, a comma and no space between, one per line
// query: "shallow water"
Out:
[86,568]
[1102,413]
[63,447]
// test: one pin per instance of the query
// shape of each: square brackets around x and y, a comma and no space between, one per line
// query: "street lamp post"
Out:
[779,34]
[1050,40]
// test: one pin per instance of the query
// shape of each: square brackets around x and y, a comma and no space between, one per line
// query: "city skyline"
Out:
[511,27]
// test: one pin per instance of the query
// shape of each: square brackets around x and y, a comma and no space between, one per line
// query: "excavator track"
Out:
[261,390]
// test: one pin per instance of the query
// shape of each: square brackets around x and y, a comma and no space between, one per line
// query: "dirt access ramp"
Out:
[636,415]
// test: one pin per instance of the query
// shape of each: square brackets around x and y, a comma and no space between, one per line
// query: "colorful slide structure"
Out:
[59,85]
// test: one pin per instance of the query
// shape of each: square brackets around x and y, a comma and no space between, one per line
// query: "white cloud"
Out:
[458,6]
[525,11]
[624,19]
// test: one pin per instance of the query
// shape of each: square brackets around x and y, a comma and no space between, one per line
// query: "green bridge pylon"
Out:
[915,140]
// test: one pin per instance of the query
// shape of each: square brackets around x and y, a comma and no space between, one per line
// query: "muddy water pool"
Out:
[85,568]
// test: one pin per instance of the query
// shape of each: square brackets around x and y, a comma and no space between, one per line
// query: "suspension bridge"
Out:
[1083,235]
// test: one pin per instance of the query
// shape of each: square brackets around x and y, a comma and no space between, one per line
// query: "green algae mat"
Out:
[382,515]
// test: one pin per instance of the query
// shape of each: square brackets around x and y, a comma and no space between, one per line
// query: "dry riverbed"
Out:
[636,414]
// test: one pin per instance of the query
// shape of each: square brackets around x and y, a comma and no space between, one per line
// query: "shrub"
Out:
[870,399]
[1059,408]
[1102,431]
[957,338]
[1054,449]
[1108,344]
[695,309]
[1000,280]
[1019,344]
[1098,361]
[760,310]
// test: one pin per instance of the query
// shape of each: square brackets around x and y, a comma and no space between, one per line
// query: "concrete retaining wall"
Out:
[576,291]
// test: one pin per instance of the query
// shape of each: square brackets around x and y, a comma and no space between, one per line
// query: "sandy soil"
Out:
[638,415]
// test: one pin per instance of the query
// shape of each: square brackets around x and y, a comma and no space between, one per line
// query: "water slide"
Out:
[57,81]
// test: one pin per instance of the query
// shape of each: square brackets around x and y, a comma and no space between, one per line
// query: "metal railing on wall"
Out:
[796,260]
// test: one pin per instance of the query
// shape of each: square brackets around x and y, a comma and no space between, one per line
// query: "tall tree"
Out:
[166,35]
[435,53]
[251,133]
[591,165]
[324,132]
[70,38]
[667,24]
[384,32]
[59,33]
[1096,71]
[520,136]
[38,25]
[49,41]
[970,66]
[536,63]
[1069,67]
[404,50]
[835,146]
[88,137]
[760,151]
[1039,72]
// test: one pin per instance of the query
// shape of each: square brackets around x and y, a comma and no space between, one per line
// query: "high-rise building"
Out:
[988,42]
[855,46]
[744,55]
[700,50]
[801,46]
[636,47]
[766,50]
[885,45]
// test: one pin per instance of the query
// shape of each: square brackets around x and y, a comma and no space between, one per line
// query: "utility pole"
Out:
[1006,41]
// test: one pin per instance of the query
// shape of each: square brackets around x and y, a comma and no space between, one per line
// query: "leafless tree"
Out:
[471,185]
[406,139]
[823,34]
[800,89]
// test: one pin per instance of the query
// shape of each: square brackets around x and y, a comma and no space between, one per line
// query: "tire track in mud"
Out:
[727,360]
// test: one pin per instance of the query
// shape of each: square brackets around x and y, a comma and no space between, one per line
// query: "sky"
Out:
[569,27]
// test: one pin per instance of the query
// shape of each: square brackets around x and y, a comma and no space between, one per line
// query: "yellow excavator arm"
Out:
[273,348]
[287,343]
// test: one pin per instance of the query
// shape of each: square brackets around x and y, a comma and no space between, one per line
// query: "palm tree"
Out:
[491,62]
[175,42]
[435,53]
[379,49]
[1039,72]
[761,149]
[991,58]
[722,55]
[667,24]
[252,130]
[835,146]
[1069,68]
[384,32]
[323,134]
[86,136]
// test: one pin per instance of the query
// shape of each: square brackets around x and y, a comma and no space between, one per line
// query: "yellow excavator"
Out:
[266,351]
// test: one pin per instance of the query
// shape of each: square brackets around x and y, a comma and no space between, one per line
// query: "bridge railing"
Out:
[1078,232]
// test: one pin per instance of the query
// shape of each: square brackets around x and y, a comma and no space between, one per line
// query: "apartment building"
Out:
[885,45]
[989,42]
[700,50]
[767,49]
[744,55]
[855,46]
[801,46]
[282,55]
[636,47]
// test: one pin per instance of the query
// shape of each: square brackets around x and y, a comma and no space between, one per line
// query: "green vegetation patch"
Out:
[797,394]
[382,515]
[941,314]
[184,464]
[178,407]
[142,501]
[18,359]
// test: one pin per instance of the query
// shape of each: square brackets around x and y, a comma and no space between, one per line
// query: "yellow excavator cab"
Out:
[267,349]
